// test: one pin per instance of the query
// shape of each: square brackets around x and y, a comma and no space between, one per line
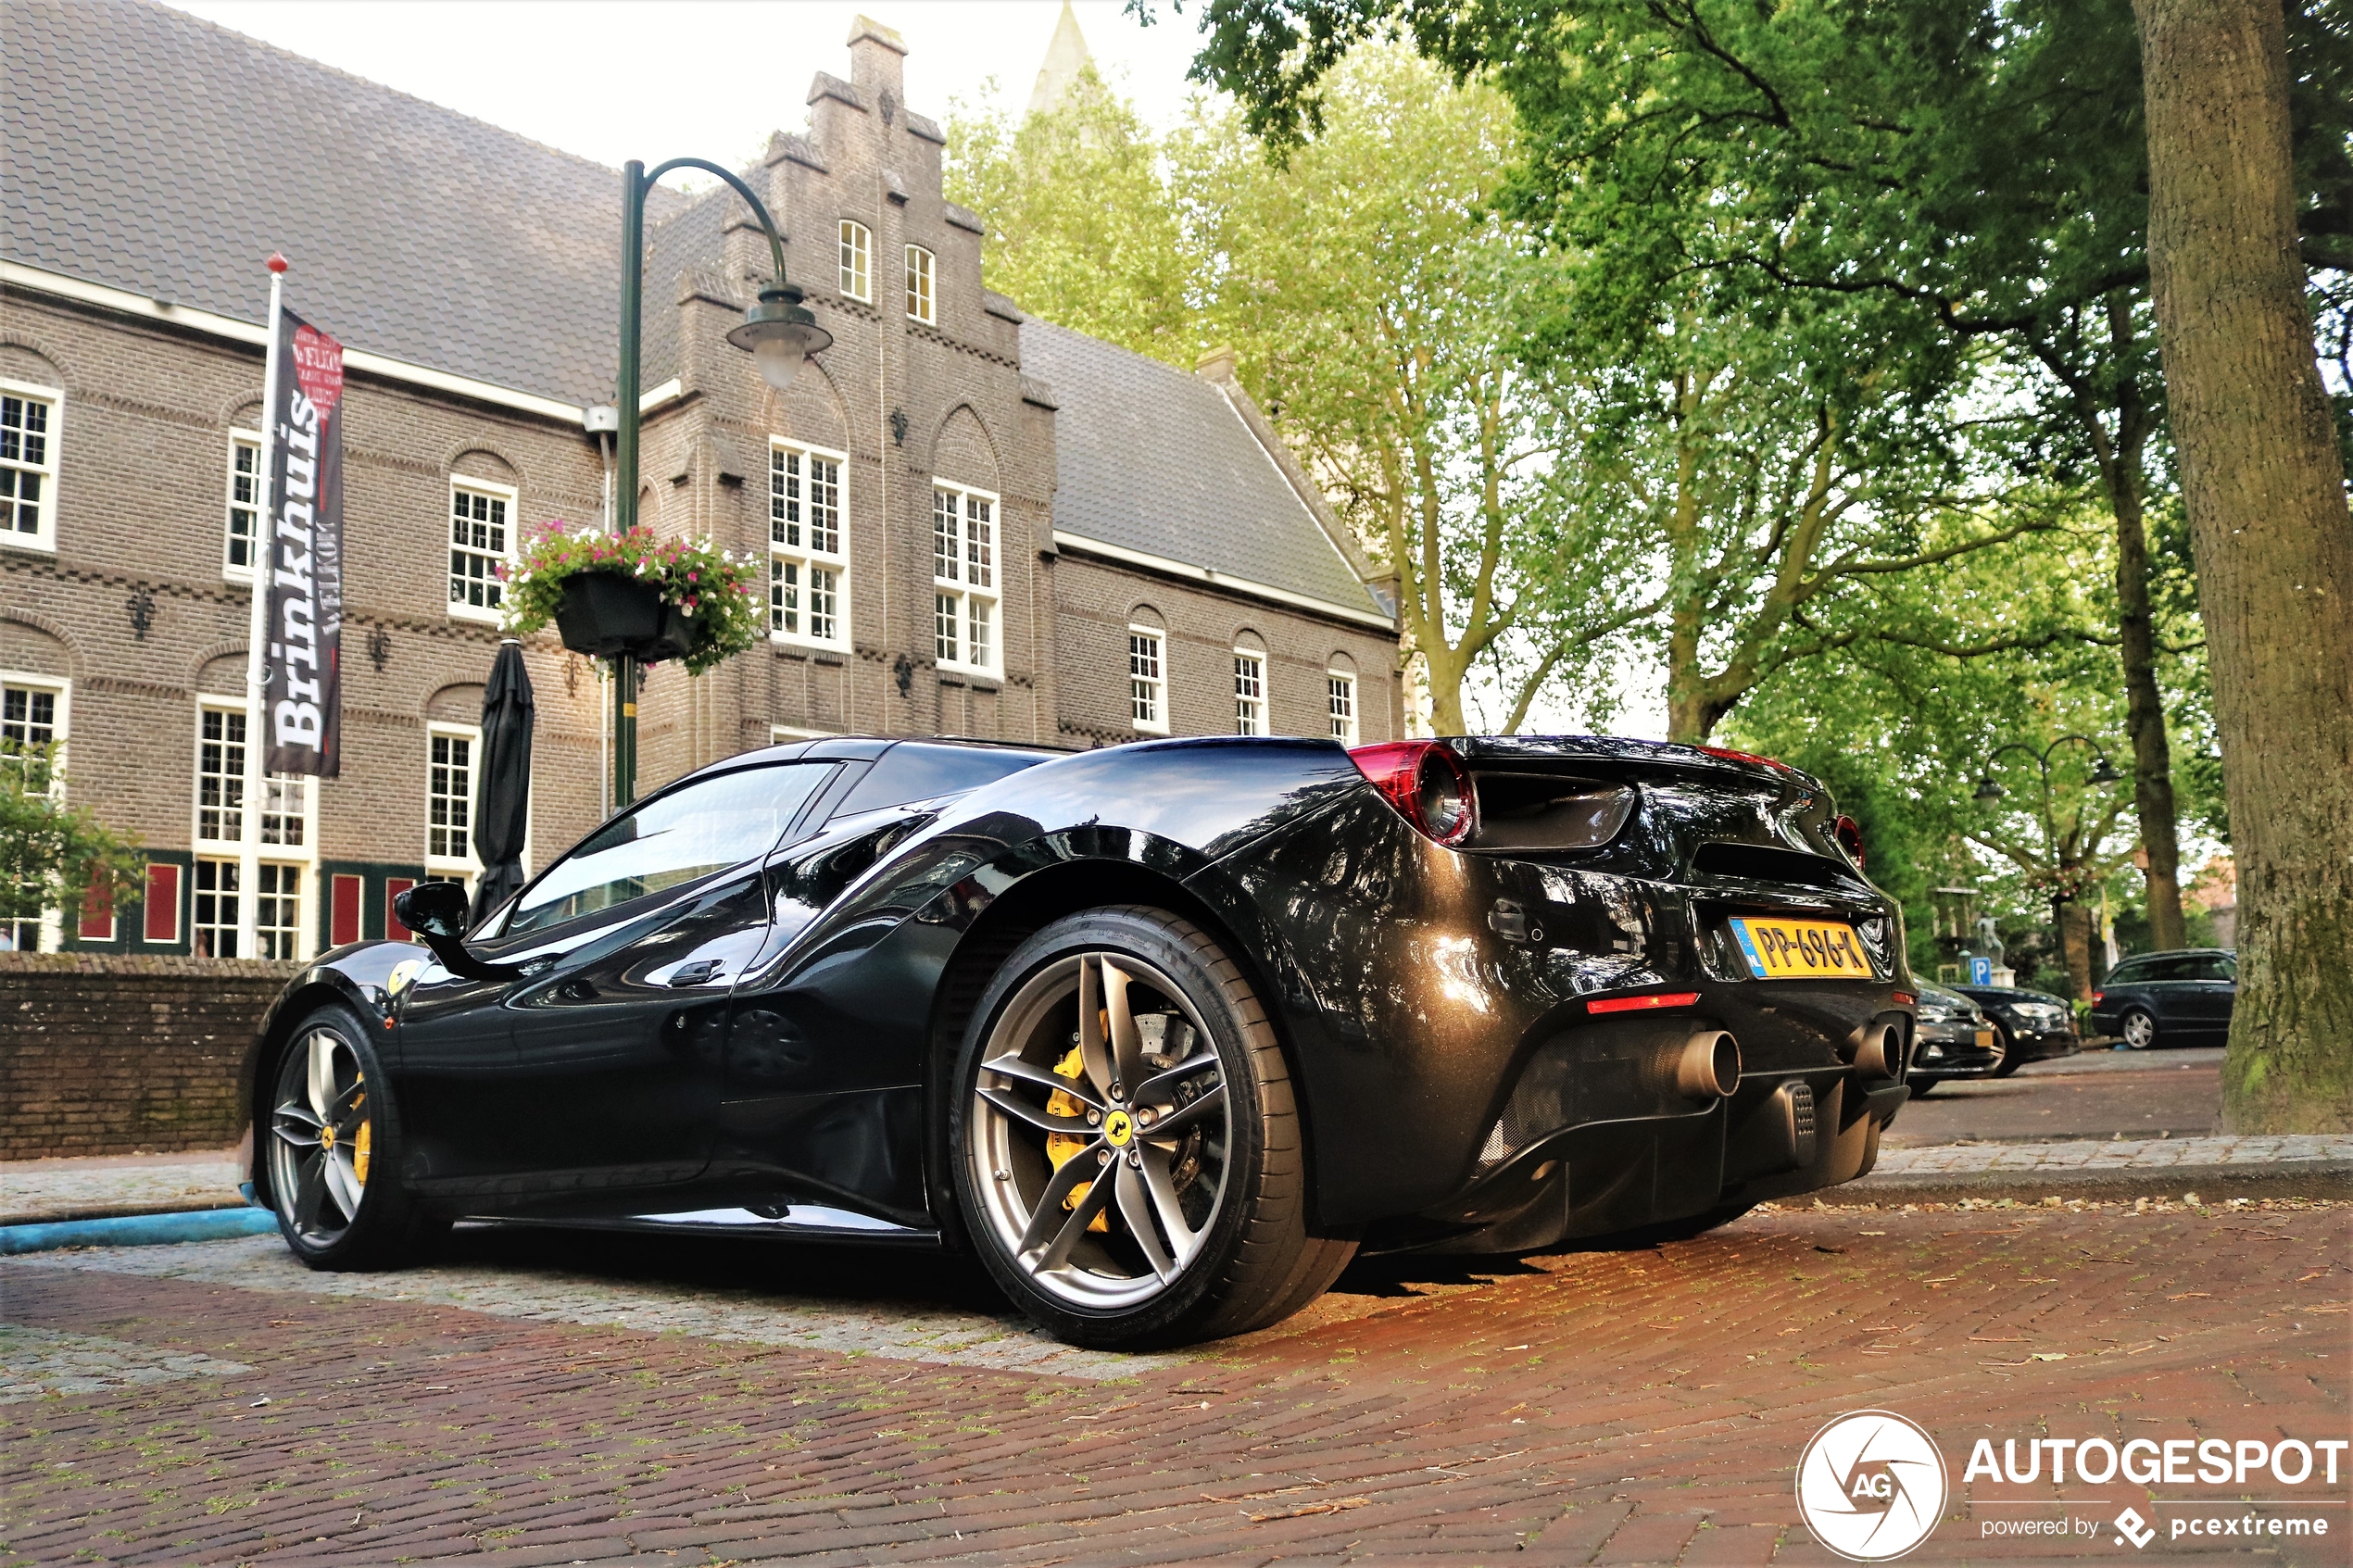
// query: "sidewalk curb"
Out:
[2287,1178]
[137,1230]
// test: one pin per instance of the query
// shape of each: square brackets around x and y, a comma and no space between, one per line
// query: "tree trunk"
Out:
[2265,492]
[2075,948]
[2144,717]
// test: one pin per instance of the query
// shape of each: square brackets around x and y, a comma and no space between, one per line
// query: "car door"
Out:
[2209,986]
[619,1042]
[452,1066]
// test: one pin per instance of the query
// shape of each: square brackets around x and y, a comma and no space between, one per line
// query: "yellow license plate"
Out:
[1801,949]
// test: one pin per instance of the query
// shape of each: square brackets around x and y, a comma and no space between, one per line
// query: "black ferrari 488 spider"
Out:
[1164,1033]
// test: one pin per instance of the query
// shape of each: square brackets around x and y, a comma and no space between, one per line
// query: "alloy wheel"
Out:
[1100,1136]
[2140,1030]
[321,1137]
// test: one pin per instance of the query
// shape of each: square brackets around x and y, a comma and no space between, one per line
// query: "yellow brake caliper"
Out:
[1059,1147]
[361,1144]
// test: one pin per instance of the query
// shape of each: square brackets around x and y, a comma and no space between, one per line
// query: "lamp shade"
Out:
[780,334]
[1987,790]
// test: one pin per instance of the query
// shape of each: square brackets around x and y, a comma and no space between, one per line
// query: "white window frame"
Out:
[1152,687]
[804,555]
[241,439]
[454,868]
[249,851]
[507,493]
[922,286]
[1250,691]
[967,577]
[1340,687]
[52,923]
[44,534]
[854,260]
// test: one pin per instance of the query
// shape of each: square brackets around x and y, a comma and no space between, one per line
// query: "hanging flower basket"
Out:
[653,599]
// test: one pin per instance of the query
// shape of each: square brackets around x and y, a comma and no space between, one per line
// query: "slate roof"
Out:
[149,150]
[1153,459]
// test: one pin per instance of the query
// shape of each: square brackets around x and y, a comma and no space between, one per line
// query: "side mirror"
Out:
[438,912]
[434,908]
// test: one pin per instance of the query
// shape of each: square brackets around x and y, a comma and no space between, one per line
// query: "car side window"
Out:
[671,840]
[2209,967]
[2127,974]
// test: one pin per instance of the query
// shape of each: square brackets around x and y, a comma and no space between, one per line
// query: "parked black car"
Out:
[2169,999]
[1164,1032]
[1954,1039]
[2032,1025]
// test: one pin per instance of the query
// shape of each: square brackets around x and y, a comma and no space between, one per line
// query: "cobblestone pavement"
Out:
[139,1184]
[555,1397]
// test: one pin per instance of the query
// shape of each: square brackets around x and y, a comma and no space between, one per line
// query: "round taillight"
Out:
[1427,783]
[1850,838]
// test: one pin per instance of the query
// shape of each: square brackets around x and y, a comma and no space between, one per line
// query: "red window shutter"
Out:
[394,888]
[97,916]
[342,918]
[163,902]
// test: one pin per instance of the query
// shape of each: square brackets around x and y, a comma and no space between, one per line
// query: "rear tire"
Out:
[332,1146]
[2137,1029]
[1176,1098]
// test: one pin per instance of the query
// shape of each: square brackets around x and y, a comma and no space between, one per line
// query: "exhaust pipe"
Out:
[1709,1067]
[1880,1055]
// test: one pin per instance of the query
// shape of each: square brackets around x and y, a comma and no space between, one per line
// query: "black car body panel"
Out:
[773,1035]
[2190,994]
[2037,1025]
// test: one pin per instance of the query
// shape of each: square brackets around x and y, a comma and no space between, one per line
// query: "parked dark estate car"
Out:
[1164,1032]
[1955,1040]
[2169,999]
[2031,1026]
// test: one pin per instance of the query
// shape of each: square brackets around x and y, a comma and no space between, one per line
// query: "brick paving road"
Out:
[1634,1406]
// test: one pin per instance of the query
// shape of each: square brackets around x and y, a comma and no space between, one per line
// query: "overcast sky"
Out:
[614,79]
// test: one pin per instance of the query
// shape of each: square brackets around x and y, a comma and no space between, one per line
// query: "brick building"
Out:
[1158,563]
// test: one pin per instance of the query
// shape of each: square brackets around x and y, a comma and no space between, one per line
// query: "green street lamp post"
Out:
[779,333]
[1987,792]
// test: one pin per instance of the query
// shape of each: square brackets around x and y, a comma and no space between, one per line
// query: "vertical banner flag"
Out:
[302,674]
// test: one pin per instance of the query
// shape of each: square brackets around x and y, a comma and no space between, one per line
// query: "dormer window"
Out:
[857,261]
[921,305]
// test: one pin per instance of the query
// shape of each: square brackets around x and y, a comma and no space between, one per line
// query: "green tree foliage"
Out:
[1082,227]
[53,855]
[1376,299]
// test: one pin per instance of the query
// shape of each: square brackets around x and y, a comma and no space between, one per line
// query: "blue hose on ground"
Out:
[137,1230]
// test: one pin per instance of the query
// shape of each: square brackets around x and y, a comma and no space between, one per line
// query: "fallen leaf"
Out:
[2189,1294]
[2050,1355]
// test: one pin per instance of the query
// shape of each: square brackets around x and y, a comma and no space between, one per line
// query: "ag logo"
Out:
[1871,1486]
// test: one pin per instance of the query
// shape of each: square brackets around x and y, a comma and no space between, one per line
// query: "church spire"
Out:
[1066,56]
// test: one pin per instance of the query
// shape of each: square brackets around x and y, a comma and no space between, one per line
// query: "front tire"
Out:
[1125,1143]
[2012,1061]
[1919,1086]
[2137,1029]
[333,1151]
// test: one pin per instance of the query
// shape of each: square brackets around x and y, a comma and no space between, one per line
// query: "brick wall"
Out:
[106,1054]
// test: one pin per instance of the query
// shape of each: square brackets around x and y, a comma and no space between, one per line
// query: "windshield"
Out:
[675,839]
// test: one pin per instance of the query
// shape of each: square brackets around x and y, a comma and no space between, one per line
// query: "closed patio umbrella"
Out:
[502,780]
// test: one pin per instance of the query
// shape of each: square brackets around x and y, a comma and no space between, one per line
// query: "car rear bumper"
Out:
[1610,1177]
